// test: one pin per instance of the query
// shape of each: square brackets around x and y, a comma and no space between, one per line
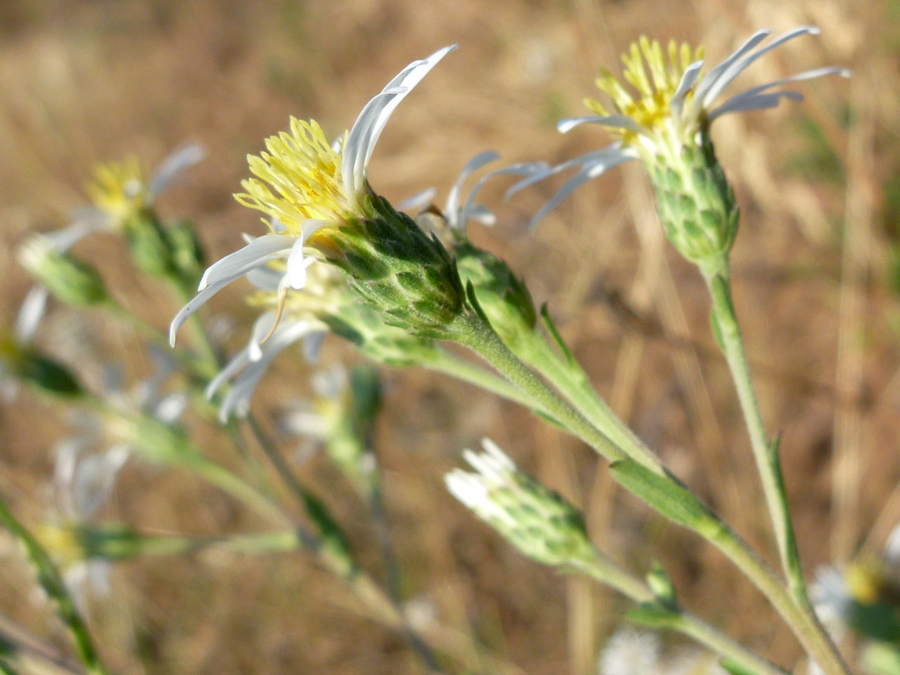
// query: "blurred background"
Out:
[816,274]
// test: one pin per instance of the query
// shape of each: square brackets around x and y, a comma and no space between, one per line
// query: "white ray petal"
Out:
[738,66]
[373,118]
[30,314]
[735,102]
[418,201]
[758,102]
[451,209]
[258,252]
[712,77]
[181,159]
[588,171]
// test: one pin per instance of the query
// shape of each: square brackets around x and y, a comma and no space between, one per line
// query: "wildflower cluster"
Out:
[396,282]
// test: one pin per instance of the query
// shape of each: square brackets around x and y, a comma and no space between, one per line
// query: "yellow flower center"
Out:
[297,179]
[119,189]
[655,79]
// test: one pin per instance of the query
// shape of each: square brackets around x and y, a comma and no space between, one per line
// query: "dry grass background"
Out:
[93,80]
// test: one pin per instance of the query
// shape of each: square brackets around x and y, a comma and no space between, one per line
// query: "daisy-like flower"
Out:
[120,192]
[664,122]
[322,206]
[537,521]
[82,483]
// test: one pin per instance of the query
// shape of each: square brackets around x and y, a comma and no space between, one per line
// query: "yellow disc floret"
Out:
[654,78]
[297,179]
[118,189]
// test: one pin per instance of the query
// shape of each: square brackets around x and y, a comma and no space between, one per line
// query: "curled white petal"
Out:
[743,101]
[737,66]
[373,118]
[256,253]
[452,207]
[616,121]
[418,201]
[173,165]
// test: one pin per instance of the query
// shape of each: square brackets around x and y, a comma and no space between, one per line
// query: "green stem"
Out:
[470,330]
[800,618]
[607,572]
[193,363]
[764,452]
[52,583]
[114,547]
[443,361]
[571,381]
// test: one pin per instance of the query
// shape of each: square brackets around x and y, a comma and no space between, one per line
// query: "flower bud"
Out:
[537,521]
[504,299]
[70,280]
[405,273]
[696,204]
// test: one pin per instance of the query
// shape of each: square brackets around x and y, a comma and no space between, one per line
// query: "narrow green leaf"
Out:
[667,495]
[652,615]
[734,668]
[554,333]
[792,554]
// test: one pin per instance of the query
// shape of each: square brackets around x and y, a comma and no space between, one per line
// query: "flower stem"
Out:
[470,330]
[764,452]
[607,572]
[443,361]
[799,617]
[51,581]
[567,376]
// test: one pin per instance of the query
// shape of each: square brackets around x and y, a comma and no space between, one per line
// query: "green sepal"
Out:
[551,329]
[472,299]
[150,248]
[667,495]
[187,253]
[70,280]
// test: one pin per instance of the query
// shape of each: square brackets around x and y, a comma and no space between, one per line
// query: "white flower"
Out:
[673,105]
[119,190]
[82,483]
[630,652]
[314,185]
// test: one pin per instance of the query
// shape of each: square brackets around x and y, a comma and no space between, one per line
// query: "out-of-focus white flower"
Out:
[119,191]
[83,481]
[317,419]
[630,652]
